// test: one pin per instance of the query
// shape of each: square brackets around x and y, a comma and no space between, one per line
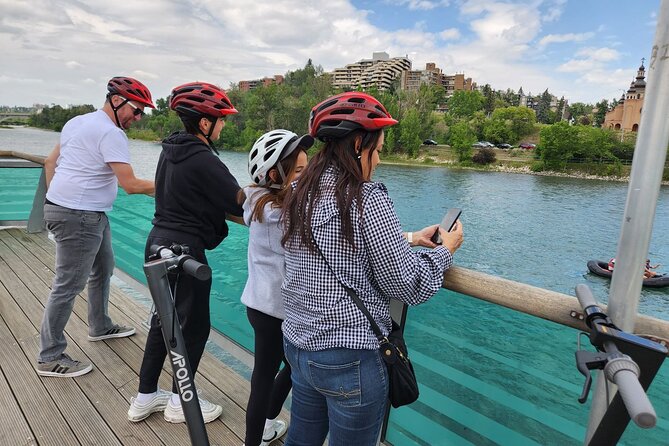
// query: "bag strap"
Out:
[354,296]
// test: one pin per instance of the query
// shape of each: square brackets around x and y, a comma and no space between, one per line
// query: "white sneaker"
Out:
[175,414]
[138,412]
[274,432]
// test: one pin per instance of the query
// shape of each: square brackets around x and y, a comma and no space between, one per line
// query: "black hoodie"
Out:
[194,191]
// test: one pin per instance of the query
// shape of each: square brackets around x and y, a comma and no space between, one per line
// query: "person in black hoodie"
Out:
[195,193]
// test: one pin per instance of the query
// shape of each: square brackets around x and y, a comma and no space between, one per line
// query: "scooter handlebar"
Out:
[196,269]
[624,373]
[184,262]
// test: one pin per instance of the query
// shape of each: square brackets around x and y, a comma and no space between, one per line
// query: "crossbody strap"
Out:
[352,294]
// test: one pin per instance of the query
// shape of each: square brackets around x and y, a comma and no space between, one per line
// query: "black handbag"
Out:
[402,384]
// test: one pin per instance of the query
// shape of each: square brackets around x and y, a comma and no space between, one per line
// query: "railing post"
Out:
[36,219]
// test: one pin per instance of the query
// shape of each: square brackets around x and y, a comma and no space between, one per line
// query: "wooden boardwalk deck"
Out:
[90,409]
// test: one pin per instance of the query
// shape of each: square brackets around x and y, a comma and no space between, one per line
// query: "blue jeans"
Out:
[83,253]
[339,390]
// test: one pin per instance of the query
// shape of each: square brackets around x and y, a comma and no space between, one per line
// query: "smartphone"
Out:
[447,224]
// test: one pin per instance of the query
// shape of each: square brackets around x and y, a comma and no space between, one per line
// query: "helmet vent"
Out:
[358,100]
[327,104]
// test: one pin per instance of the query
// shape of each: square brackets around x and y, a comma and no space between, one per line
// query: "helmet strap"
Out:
[209,133]
[282,174]
[115,109]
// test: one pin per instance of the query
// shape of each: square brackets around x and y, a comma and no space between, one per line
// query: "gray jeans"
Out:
[83,253]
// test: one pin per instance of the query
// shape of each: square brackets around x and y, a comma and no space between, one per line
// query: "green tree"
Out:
[488,99]
[461,138]
[594,143]
[410,133]
[519,120]
[578,110]
[498,131]
[558,144]
[544,108]
[601,108]
[463,104]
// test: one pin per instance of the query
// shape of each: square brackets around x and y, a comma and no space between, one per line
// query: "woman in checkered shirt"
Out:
[341,228]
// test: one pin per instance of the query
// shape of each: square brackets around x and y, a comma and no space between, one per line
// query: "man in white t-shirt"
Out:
[83,173]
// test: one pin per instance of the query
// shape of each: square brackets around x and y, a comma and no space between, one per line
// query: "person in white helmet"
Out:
[276,159]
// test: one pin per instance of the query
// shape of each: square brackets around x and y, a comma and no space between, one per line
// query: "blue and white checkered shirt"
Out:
[319,313]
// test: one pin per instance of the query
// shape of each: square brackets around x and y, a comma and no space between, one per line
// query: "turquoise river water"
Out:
[488,375]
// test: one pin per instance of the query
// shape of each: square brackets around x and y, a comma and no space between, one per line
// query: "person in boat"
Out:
[195,192]
[83,173]
[648,270]
[276,159]
[612,264]
[340,382]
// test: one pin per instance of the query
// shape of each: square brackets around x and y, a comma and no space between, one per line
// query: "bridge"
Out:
[8,115]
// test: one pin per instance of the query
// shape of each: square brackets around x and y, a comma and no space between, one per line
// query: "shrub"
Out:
[484,156]
[537,166]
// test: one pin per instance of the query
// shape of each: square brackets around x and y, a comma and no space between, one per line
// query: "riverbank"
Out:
[516,161]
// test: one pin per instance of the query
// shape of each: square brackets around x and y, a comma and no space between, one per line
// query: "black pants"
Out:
[268,390]
[192,305]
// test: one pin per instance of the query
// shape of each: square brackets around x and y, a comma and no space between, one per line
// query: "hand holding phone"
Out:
[446,224]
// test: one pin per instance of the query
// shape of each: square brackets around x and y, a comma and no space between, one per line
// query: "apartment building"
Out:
[379,71]
[432,75]
[264,82]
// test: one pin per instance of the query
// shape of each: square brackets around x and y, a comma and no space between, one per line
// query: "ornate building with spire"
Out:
[627,114]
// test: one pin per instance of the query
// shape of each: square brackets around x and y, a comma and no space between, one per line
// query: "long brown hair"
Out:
[343,154]
[276,196]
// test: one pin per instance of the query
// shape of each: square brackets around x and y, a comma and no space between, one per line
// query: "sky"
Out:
[64,51]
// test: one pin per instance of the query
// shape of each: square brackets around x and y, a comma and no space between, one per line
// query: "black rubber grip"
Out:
[196,269]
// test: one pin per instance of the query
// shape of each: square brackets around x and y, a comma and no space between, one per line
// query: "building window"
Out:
[635,127]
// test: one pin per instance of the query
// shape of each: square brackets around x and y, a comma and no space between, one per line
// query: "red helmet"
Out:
[200,98]
[339,115]
[131,89]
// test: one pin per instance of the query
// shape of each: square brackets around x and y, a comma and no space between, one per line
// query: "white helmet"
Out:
[271,148]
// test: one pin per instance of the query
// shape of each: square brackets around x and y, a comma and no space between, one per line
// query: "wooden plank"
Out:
[14,428]
[42,414]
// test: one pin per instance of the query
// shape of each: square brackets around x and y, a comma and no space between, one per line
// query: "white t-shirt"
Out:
[83,180]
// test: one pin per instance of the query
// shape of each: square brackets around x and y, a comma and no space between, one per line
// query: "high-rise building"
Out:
[380,71]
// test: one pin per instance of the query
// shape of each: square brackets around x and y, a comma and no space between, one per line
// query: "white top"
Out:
[265,260]
[83,180]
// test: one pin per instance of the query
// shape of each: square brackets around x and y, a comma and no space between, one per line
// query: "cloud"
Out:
[425,5]
[561,38]
[599,54]
[590,59]
[165,43]
[450,34]
[554,11]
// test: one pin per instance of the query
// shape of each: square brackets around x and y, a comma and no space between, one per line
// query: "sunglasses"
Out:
[137,111]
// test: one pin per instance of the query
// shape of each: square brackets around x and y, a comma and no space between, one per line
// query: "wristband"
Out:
[410,237]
